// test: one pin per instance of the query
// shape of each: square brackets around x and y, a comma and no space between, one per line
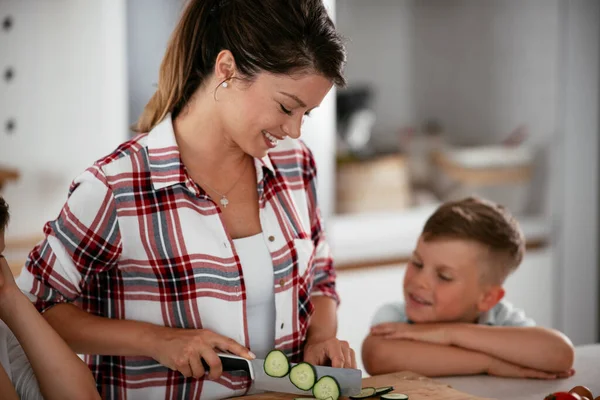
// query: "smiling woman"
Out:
[203,233]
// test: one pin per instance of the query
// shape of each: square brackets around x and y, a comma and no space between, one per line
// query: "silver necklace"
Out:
[224,200]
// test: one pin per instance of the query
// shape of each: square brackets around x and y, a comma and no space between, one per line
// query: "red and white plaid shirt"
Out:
[137,239]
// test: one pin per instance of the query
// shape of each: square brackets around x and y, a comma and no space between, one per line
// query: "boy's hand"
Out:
[430,333]
[505,369]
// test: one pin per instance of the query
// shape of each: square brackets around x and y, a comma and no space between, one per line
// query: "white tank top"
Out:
[257,267]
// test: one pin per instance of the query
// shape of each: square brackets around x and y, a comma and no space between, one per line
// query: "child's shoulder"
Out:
[506,314]
[390,312]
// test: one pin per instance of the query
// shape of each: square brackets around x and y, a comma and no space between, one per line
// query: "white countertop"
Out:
[392,235]
[587,373]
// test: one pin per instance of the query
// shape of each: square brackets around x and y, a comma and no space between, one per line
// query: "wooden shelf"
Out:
[7,174]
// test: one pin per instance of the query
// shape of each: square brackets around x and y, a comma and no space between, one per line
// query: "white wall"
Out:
[319,132]
[68,98]
[380,43]
[149,26]
[485,67]
[576,188]
[481,67]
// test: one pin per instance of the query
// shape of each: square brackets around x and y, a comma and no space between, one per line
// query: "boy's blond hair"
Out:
[486,223]
[4,215]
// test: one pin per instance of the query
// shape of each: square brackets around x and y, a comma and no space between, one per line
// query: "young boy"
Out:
[35,363]
[453,320]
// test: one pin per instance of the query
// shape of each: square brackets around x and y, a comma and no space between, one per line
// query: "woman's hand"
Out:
[184,349]
[332,351]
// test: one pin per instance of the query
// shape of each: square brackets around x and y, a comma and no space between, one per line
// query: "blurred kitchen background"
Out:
[446,98]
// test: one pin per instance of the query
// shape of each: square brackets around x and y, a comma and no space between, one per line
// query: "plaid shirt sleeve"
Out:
[81,243]
[324,272]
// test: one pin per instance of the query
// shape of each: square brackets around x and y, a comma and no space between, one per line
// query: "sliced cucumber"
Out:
[394,396]
[312,398]
[326,387]
[365,393]
[383,390]
[303,376]
[276,364]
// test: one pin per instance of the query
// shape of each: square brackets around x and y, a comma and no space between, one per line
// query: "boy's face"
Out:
[443,282]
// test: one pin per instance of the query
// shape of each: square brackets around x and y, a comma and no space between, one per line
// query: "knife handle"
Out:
[232,363]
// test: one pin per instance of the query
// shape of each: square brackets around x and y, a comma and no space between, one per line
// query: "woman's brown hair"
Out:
[275,36]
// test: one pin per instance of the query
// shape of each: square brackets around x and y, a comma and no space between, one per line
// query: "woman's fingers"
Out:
[231,346]
[213,361]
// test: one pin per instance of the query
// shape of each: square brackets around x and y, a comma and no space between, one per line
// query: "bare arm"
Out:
[382,356]
[90,334]
[179,349]
[43,346]
[323,323]
[6,387]
[531,347]
[321,346]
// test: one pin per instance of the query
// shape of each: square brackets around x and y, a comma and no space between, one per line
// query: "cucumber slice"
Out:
[326,387]
[394,396]
[276,364]
[365,393]
[303,376]
[383,390]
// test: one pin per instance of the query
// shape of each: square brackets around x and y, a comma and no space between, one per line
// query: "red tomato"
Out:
[562,396]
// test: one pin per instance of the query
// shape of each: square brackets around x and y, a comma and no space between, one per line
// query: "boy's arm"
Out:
[531,347]
[6,387]
[382,356]
[43,346]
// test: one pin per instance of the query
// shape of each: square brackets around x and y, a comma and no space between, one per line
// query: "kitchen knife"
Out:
[350,380]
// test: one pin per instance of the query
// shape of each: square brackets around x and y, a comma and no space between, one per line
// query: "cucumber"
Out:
[326,387]
[365,393]
[312,398]
[394,396]
[383,390]
[303,376]
[276,364]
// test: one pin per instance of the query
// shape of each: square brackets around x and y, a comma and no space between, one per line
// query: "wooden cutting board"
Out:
[416,386]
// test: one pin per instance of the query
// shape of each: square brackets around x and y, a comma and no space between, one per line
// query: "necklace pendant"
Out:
[224,201]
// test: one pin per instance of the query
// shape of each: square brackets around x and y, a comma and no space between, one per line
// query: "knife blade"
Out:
[350,380]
